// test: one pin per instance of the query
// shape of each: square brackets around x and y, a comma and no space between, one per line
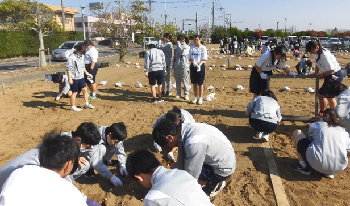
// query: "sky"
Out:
[251,14]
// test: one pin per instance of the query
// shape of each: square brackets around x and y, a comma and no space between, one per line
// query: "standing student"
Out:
[154,70]
[197,56]
[204,152]
[167,48]
[327,68]
[264,114]
[264,66]
[91,66]
[167,186]
[181,67]
[45,184]
[325,148]
[76,68]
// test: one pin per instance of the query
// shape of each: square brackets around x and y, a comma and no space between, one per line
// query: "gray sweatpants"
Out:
[182,75]
[167,80]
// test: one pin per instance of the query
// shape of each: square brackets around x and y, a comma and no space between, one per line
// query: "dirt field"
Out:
[29,110]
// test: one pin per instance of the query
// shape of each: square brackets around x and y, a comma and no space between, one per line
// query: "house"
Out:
[69,16]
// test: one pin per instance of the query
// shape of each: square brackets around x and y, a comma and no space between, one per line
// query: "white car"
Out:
[334,41]
[150,40]
[346,42]
[63,51]
[324,41]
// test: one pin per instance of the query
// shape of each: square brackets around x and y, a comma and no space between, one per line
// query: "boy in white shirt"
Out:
[91,66]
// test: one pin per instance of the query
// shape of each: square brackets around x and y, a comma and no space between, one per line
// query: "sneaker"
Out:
[76,109]
[167,94]
[301,169]
[319,116]
[92,97]
[154,101]
[160,100]
[200,101]
[89,106]
[328,176]
[195,100]
[265,137]
[187,97]
[177,96]
[258,135]
[90,174]
[212,189]
[163,93]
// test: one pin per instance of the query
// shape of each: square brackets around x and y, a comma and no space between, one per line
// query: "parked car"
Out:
[63,51]
[346,42]
[305,40]
[251,39]
[106,42]
[334,41]
[150,40]
[264,39]
[324,41]
[313,38]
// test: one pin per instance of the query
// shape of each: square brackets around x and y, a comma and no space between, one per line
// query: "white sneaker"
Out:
[89,106]
[329,176]
[177,96]
[76,109]
[220,186]
[187,97]
[195,100]
[259,135]
[265,137]
[200,101]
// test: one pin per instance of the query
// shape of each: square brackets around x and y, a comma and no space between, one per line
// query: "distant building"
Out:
[69,16]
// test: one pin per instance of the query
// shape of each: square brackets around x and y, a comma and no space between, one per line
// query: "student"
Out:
[325,147]
[264,114]
[76,69]
[154,71]
[249,51]
[204,152]
[304,66]
[197,56]
[264,66]
[296,53]
[167,186]
[91,67]
[266,48]
[336,88]
[181,67]
[45,184]
[178,116]
[167,48]
[63,86]
[86,135]
[327,68]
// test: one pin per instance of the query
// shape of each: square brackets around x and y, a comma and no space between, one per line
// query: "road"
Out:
[33,62]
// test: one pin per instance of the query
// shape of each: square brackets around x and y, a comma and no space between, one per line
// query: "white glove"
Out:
[158,148]
[116,181]
[195,64]
[58,97]
[89,76]
[123,171]
[263,75]
[198,68]
[292,73]
[334,77]
[171,156]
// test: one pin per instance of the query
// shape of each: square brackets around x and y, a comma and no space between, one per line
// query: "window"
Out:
[79,25]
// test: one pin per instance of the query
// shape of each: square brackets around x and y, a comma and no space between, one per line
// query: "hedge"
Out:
[26,43]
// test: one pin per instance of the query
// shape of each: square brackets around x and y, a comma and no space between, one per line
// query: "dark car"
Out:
[251,39]
[106,42]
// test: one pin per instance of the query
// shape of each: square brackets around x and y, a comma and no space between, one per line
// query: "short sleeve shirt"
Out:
[265,62]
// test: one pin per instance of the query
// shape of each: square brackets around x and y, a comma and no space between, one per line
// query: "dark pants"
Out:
[262,126]
[322,90]
[256,84]
[93,72]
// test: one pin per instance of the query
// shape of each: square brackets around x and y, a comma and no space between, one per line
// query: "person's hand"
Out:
[195,64]
[263,75]
[89,76]
[146,74]
[70,81]
[293,73]
[123,171]
[82,161]
[171,156]
[116,181]
[58,97]
[199,68]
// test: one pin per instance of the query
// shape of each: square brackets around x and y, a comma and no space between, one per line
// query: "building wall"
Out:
[69,16]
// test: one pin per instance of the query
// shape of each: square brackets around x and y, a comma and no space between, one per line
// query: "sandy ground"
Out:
[28,111]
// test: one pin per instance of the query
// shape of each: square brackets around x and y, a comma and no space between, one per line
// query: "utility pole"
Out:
[285,25]
[230,20]
[165,16]
[277,25]
[213,15]
[63,16]
[183,25]
[197,23]
[224,18]
[83,20]
[120,15]
[150,11]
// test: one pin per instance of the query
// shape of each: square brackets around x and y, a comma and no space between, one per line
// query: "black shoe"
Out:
[160,100]
[163,93]
[90,174]
[154,101]
[298,167]
[212,189]
[166,94]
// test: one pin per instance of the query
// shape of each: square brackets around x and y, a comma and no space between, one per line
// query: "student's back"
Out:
[343,108]
[155,59]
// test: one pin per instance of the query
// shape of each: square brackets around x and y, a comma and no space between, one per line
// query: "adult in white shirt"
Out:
[91,66]
[45,184]
[327,68]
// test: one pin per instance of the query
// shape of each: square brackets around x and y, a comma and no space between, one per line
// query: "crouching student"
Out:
[204,152]
[178,116]
[304,66]
[167,186]
[44,184]
[154,70]
[63,86]
[264,114]
[324,148]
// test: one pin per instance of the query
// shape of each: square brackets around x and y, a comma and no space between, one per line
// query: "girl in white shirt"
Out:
[327,68]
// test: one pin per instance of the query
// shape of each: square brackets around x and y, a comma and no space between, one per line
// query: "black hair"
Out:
[312,45]
[167,35]
[164,128]
[151,46]
[309,63]
[57,78]
[197,36]
[268,93]
[281,50]
[180,37]
[334,87]
[331,117]
[88,43]
[118,131]
[174,115]
[141,161]
[80,47]
[88,133]
[56,150]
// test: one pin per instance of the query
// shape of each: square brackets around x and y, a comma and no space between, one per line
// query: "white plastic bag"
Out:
[209,97]
[103,83]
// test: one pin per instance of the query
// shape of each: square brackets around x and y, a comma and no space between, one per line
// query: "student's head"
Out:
[164,134]
[80,48]
[151,46]
[268,93]
[59,153]
[87,135]
[280,52]
[88,43]
[334,87]
[197,39]
[309,63]
[314,47]
[116,133]
[181,38]
[331,117]
[174,115]
[167,37]
[141,165]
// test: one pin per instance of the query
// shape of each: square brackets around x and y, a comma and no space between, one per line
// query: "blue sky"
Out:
[321,14]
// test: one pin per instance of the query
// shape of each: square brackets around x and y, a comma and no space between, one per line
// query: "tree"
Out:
[26,15]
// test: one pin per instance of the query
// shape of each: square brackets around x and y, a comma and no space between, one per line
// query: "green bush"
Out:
[138,38]
[26,43]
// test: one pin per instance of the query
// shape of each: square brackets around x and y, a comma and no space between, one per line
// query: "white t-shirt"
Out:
[197,54]
[327,62]
[265,62]
[91,55]
[34,185]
